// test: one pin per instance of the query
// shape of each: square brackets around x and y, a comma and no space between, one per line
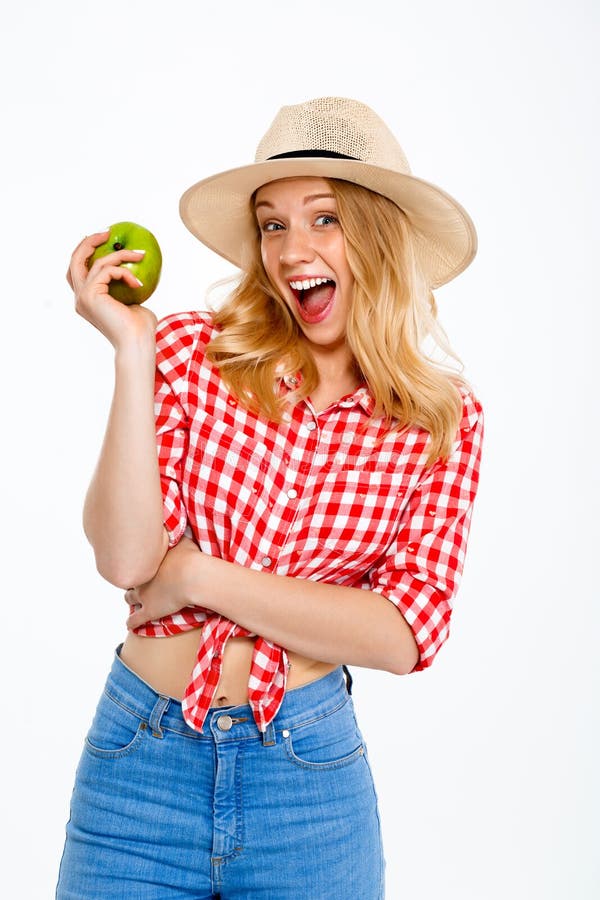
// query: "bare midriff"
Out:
[166,664]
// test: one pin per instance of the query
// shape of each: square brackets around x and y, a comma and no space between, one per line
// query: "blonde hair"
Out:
[392,315]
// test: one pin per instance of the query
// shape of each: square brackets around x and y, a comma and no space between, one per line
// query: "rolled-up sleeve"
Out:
[421,571]
[175,341]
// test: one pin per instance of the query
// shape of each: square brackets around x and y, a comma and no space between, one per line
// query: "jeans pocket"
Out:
[330,742]
[115,731]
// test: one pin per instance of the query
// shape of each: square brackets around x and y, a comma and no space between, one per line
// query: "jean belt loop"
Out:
[158,710]
[348,678]
[268,736]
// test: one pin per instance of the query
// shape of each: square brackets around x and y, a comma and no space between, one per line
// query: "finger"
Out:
[118,273]
[82,253]
[136,619]
[86,298]
[89,243]
[93,240]
[117,258]
[135,609]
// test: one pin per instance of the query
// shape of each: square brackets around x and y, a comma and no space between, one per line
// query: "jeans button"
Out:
[224,723]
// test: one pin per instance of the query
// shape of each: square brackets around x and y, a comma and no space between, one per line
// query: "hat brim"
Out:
[216,210]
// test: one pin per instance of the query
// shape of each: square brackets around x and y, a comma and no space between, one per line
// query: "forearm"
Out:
[326,622]
[123,517]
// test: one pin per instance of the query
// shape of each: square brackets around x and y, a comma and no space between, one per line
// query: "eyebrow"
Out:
[307,199]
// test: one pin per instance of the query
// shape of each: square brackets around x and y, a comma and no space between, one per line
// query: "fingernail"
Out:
[141,283]
[143,252]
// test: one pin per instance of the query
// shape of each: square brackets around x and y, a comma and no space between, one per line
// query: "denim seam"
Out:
[239,825]
[146,718]
[318,718]
[378,816]
[118,702]
[323,766]
[218,862]
[253,737]
[302,724]
[127,750]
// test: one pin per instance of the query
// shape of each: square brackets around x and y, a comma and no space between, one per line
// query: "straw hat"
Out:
[332,137]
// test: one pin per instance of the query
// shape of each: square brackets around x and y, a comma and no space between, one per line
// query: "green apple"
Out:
[129,236]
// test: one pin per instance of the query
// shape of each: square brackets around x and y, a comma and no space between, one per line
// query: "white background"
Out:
[487,764]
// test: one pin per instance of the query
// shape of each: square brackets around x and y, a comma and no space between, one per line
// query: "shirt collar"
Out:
[362,396]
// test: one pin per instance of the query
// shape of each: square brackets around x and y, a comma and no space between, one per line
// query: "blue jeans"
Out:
[161,811]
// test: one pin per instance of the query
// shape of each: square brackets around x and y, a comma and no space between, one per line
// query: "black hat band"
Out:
[328,154]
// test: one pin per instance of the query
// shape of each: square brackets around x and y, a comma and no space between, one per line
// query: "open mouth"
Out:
[314,297]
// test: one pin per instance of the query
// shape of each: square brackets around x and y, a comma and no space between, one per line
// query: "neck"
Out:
[336,367]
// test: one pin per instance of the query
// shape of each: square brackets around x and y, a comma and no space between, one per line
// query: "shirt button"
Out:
[285,733]
[310,426]
[292,493]
[266,561]
[224,723]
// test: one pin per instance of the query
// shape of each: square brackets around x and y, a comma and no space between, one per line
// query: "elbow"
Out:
[402,661]
[127,567]
[402,666]
[126,573]
[394,660]
[401,650]
[123,576]
[402,658]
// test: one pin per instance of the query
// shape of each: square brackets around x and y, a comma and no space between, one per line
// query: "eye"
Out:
[271,226]
[326,219]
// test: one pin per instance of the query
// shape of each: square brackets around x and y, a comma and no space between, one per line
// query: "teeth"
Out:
[307,283]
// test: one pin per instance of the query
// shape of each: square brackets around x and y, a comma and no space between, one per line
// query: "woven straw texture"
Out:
[335,124]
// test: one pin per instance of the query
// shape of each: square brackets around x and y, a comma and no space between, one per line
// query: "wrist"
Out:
[136,355]
[194,572]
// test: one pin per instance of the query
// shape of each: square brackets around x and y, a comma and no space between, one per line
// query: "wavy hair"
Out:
[392,316]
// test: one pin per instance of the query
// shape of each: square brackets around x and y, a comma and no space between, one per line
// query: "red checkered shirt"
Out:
[317,497]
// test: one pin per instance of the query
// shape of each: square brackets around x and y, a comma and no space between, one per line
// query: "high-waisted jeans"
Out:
[161,811]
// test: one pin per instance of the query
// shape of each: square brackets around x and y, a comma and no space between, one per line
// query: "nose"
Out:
[296,246]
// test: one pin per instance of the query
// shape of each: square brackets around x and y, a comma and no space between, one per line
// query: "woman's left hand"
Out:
[170,590]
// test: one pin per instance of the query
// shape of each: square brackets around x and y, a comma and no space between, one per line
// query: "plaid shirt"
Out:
[316,497]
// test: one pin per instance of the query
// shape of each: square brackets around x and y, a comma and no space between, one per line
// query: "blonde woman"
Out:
[307,509]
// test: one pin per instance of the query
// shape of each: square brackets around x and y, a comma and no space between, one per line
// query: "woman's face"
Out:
[304,254]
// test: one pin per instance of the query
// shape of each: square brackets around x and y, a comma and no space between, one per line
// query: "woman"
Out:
[308,509]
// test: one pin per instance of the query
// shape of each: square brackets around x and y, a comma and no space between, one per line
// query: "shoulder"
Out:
[472,412]
[179,334]
[465,455]
[180,337]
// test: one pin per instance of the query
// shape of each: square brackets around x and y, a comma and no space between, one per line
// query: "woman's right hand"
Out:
[120,323]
